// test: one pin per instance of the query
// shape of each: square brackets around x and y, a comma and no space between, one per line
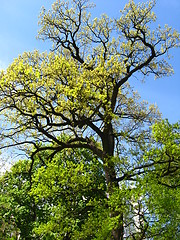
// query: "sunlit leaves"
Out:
[168,137]
[78,97]
[73,188]
[78,87]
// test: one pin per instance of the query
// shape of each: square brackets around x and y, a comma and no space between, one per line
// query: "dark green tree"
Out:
[18,210]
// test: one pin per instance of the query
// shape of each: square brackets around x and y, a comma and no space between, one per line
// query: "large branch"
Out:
[131,72]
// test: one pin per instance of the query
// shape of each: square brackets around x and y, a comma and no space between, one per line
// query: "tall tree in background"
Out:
[81,89]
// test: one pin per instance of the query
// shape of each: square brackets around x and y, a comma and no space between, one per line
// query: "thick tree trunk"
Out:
[117,233]
[110,175]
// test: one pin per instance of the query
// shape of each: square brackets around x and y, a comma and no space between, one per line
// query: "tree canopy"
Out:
[78,96]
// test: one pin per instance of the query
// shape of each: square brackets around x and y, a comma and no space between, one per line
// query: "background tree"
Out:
[165,200]
[155,196]
[73,187]
[81,89]
[18,210]
[63,193]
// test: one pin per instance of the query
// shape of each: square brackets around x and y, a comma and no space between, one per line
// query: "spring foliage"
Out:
[68,196]
[78,96]
[79,88]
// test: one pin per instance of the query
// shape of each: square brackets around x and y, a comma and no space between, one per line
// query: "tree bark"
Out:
[110,176]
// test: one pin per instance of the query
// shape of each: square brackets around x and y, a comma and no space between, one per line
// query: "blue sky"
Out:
[18,24]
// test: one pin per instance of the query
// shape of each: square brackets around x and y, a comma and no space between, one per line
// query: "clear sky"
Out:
[18,31]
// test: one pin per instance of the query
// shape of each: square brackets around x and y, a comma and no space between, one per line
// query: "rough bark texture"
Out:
[110,175]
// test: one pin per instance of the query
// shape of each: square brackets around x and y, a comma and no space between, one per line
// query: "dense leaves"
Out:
[71,186]
[17,207]
[62,195]
[68,197]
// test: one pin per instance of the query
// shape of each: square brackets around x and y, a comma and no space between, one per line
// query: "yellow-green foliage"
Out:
[78,96]
[80,84]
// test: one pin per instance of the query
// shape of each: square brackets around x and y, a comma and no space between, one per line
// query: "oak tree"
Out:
[81,89]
